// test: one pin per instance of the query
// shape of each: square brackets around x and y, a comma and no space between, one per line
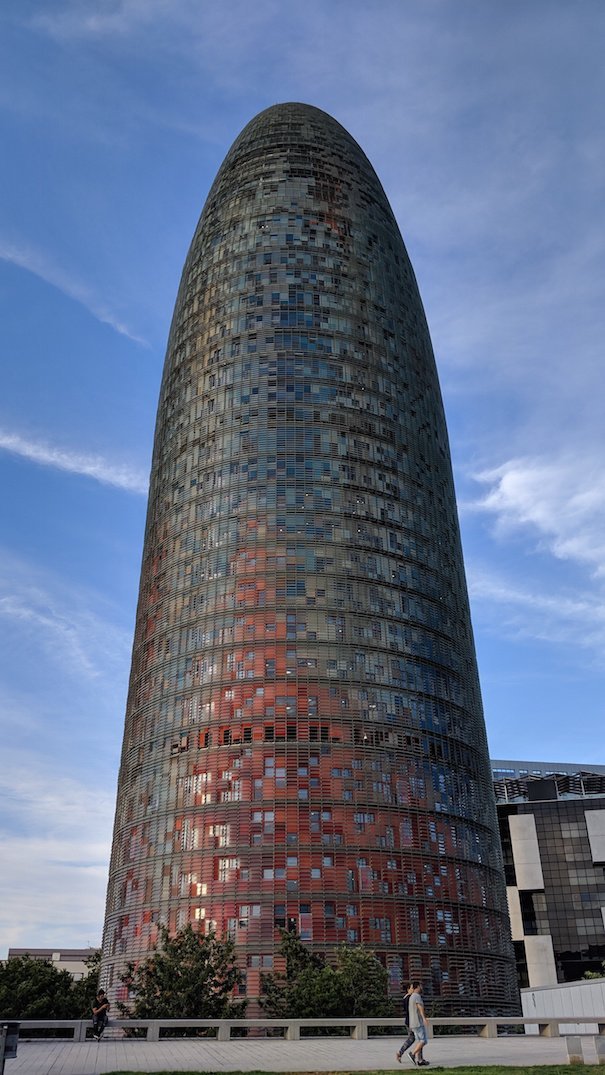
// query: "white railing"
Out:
[550,1027]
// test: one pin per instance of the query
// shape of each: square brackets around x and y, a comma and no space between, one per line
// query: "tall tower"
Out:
[304,743]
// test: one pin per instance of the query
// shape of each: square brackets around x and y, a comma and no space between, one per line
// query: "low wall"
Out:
[584,999]
[293,1029]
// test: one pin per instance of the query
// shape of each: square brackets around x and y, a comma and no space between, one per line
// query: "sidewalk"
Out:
[312,1054]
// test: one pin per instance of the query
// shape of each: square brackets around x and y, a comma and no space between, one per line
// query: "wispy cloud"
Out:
[122,476]
[60,633]
[66,650]
[63,630]
[85,20]
[521,612]
[42,266]
[55,848]
[559,501]
[77,20]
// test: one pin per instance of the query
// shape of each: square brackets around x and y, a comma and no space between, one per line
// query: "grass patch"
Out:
[481,1069]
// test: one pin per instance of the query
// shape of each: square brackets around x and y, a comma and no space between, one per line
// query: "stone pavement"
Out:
[276,1054]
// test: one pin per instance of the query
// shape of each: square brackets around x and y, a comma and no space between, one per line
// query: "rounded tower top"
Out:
[299,141]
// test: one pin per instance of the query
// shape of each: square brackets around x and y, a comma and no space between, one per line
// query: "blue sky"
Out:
[484,121]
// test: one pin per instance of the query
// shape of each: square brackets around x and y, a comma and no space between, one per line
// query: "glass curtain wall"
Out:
[304,744]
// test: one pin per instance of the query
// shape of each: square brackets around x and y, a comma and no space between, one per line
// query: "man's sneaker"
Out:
[424,1063]
[398,1057]
[412,1058]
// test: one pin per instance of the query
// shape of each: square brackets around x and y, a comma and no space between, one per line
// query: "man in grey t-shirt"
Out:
[409,1041]
[418,1022]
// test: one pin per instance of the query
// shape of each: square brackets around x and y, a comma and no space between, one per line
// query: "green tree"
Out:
[364,983]
[35,989]
[84,990]
[190,975]
[298,956]
[316,993]
[595,973]
[311,988]
[278,997]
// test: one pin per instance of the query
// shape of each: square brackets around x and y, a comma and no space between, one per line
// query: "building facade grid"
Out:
[552,826]
[304,744]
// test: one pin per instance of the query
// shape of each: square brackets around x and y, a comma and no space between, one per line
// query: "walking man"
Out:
[406,1014]
[418,1023]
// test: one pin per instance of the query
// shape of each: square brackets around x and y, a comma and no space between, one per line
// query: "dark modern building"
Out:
[506,771]
[552,823]
[304,744]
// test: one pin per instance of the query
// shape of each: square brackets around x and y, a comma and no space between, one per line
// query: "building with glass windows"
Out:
[74,960]
[304,744]
[552,824]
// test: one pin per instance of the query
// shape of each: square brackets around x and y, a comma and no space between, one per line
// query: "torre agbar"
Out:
[304,745]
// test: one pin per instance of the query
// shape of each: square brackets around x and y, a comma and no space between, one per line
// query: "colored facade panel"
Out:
[304,743]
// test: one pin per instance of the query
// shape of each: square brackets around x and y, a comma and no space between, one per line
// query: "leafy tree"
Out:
[35,989]
[595,973]
[311,988]
[279,997]
[84,990]
[317,992]
[297,955]
[190,975]
[364,982]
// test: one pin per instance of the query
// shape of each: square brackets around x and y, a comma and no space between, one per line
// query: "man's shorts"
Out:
[420,1034]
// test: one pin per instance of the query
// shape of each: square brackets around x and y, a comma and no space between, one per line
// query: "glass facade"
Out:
[564,902]
[304,743]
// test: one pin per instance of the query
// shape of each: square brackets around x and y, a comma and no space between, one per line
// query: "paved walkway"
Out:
[313,1055]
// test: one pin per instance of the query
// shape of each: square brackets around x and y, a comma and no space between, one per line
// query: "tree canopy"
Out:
[84,990]
[35,989]
[310,988]
[189,975]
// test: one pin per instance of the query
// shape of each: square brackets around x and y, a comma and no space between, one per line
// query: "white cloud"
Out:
[118,19]
[523,612]
[83,20]
[59,729]
[555,507]
[67,654]
[59,632]
[122,476]
[62,631]
[42,266]
[55,849]
[559,500]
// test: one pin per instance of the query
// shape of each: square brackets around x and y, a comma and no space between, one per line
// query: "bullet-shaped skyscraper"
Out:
[304,744]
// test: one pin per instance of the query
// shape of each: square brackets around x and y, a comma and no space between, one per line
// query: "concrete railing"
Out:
[76,1029]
